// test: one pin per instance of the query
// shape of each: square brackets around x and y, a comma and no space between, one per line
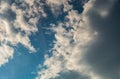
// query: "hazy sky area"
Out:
[59,39]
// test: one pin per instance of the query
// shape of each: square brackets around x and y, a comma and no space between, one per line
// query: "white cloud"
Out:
[3,6]
[6,52]
[18,30]
[73,39]
[56,6]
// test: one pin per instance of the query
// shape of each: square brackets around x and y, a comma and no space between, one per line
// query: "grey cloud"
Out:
[104,56]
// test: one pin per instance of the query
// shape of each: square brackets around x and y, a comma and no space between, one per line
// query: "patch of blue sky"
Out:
[21,66]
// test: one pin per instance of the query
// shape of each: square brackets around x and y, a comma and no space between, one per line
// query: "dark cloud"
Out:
[104,56]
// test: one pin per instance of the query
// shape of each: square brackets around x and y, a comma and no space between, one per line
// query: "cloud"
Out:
[104,10]
[3,6]
[86,45]
[103,57]
[71,75]
[17,23]
[72,40]
[57,6]
[6,52]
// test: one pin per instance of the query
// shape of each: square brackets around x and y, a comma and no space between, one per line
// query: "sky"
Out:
[59,39]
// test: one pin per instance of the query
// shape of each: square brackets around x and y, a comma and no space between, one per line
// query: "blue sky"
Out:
[59,39]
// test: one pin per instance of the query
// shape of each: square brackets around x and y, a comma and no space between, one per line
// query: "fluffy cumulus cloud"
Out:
[18,21]
[81,49]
